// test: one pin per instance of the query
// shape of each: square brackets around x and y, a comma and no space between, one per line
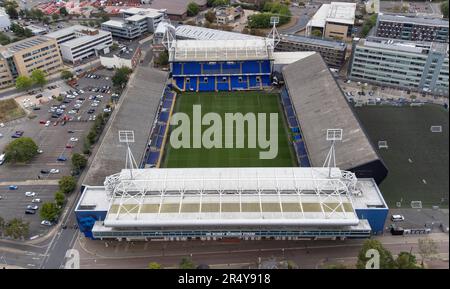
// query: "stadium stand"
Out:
[322,107]
[221,65]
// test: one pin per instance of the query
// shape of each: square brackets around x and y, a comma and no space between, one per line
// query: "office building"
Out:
[334,20]
[415,66]
[22,57]
[79,42]
[413,28]
[135,22]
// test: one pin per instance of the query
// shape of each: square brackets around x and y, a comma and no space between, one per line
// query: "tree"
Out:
[63,11]
[120,78]
[21,150]
[368,24]
[67,184]
[4,39]
[444,9]
[163,59]
[2,226]
[59,199]
[55,17]
[46,20]
[23,82]
[154,265]
[316,33]
[17,228]
[114,46]
[186,263]
[210,16]
[192,9]
[49,212]
[38,77]
[91,23]
[386,259]
[65,74]
[79,162]
[406,260]
[11,9]
[335,266]
[427,249]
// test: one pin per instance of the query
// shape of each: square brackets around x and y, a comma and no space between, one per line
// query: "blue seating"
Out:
[295,129]
[152,158]
[300,148]
[164,116]
[159,142]
[190,68]
[304,161]
[289,111]
[297,137]
[162,129]
[167,103]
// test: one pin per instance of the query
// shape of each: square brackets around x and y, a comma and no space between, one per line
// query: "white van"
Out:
[2,159]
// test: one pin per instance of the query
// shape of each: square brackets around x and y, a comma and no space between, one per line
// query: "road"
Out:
[302,14]
[306,254]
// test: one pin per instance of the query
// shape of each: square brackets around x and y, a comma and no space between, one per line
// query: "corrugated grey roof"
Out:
[413,19]
[321,105]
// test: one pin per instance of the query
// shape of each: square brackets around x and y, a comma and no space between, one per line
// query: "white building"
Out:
[5,23]
[334,20]
[136,21]
[79,42]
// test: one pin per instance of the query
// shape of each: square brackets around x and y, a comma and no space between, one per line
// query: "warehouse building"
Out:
[79,42]
[22,57]
[333,52]
[222,203]
[416,66]
[135,22]
[413,28]
[334,20]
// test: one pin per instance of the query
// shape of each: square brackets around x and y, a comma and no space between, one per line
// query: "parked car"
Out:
[30,194]
[61,159]
[32,207]
[45,172]
[46,223]
[13,187]
[36,200]
[397,218]
[42,121]
[30,212]
[74,139]
[54,171]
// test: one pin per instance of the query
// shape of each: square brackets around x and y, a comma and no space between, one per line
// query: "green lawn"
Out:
[230,102]
[414,154]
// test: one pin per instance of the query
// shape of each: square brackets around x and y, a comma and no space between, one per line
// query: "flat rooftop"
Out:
[322,107]
[202,33]
[290,57]
[420,20]
[23,44]
[136,112]
[114,23]
[175,7]
[420,47]
[314,41]
[221,50]
[335,12]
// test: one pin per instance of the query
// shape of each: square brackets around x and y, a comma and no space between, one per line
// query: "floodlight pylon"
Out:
[273,34]
[330,161]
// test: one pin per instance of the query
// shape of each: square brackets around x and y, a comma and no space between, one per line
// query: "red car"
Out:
[42,121]
[69,146]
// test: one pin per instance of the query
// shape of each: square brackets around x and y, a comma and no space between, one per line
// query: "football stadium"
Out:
[170,193]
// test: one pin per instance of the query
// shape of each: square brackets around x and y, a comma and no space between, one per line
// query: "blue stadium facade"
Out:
[216,68]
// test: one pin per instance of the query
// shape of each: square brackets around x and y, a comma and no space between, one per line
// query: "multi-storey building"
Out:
[334,20]
[136,21]
[412,28]
[416,66]
[333,52]
[22,57]
[79,42]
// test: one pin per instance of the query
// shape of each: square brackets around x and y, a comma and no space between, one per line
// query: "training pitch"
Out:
[417,159]
[230,102]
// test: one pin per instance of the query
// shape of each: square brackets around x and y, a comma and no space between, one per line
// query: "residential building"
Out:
[22,57]
[5,23]
[334,20]
[79,42]
[332,52]
[416,66]
[135,22]
[414,28]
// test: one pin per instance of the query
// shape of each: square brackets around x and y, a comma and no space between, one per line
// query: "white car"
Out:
[30,194]
[74,93]
[94,104]
[107,110]
[77,105]
[54,171]
[32,207]
[40,151]
[397,218]
[2,124]
[47,123]
[99,96]
[82,91]
[72,112]
[36,200]
[46,223]
[73,139]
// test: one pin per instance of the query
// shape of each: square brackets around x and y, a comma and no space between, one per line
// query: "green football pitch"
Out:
[230,102]
[417,159]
